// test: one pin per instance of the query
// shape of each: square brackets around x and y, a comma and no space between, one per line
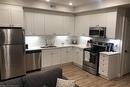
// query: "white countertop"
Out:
[110,53]
[58,46]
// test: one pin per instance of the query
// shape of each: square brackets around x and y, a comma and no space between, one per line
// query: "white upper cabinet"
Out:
[82,25]
[11,16]
[78,56]
[53,24]
[68,25]
[39,24]
[97,19]
[17,16]
[5,18]
[34,23]
[29,23]
[108,20]
[111,21]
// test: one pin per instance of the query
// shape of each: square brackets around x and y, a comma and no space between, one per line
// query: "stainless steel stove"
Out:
[91,58]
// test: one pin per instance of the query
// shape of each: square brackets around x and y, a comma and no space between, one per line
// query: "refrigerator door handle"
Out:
[4,60]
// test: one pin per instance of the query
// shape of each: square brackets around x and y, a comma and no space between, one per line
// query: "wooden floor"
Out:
[84,79]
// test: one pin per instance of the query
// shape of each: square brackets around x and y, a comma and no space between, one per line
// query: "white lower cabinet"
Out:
[58,56]
[51,57]
[78,56]
[66,55]
[108,66]
[46,58]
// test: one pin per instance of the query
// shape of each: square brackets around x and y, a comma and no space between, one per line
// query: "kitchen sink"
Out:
[48,46]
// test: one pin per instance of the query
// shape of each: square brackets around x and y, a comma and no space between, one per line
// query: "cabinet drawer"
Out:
[104,63]
[103,71]
[104,59]
[103,56]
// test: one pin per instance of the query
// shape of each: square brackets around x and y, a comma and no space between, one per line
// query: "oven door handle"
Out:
[94,54]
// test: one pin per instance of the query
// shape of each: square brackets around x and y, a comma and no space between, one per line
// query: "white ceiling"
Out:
[75,2]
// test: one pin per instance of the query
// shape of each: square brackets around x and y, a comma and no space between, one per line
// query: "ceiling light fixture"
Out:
[47,0]
[70,3]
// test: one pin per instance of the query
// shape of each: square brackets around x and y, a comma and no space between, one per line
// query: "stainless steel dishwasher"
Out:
[33,60]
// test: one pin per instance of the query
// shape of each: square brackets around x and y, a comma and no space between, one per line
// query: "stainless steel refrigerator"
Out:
[12,52]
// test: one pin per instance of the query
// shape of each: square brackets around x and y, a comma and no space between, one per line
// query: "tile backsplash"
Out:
[38,41]
[82,40]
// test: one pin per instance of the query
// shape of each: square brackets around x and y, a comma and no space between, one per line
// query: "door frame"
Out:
[123,58]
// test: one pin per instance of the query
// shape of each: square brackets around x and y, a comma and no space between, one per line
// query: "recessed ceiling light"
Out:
[47,0]
[70,3]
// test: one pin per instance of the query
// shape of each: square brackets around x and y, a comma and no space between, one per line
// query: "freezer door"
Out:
[12,36]
[12,61]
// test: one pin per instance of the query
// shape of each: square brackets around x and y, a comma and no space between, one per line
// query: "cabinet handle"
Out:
[126,51]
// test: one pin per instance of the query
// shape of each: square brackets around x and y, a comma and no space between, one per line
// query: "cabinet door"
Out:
[5,17]
[34,23]
[68,26]
[46,58]
[66,55]
[82,25]
[29,23]
[17,16]
[39,23]
[53,24]
[70,54]
[111,24]
[63,55]
[80,59]
[98,19]
[78,56]
[103,65]
[56,57]
[75,55]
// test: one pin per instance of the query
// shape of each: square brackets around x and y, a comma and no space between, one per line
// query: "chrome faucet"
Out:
[46,42]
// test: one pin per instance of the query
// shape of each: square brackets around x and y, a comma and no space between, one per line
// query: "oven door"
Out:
[87,56]
[91,59]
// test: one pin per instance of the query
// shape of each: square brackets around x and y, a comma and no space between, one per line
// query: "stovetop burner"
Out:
[95,49]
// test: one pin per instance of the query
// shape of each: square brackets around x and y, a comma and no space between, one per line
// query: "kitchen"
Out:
[60,33]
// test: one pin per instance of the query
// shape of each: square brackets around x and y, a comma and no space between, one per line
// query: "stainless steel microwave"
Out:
[97,32]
